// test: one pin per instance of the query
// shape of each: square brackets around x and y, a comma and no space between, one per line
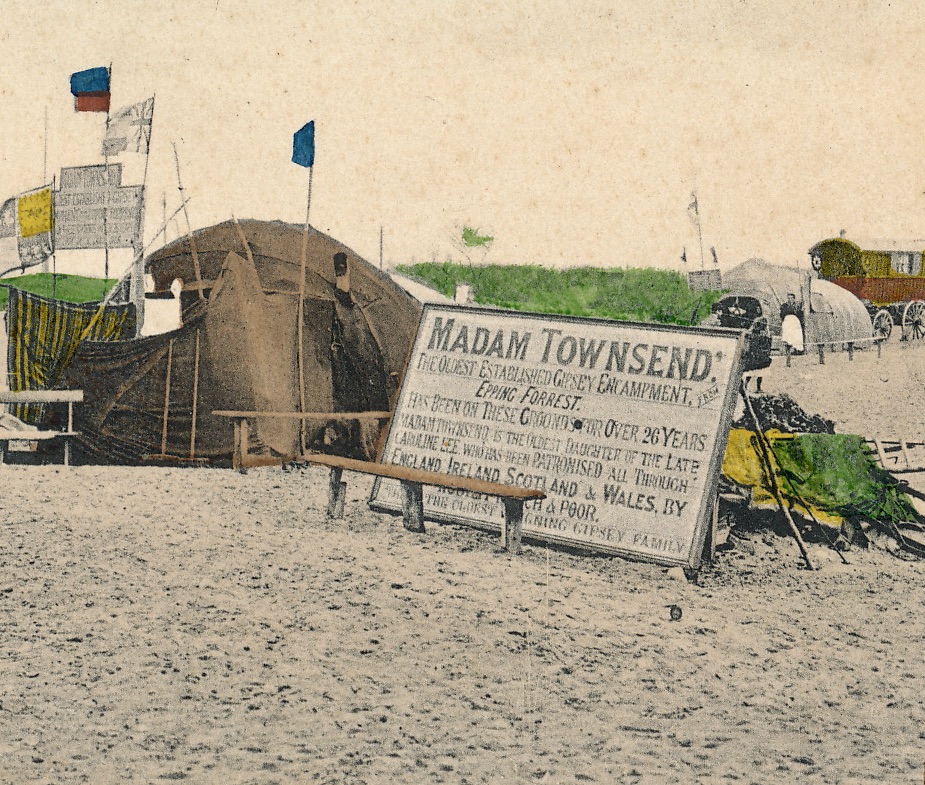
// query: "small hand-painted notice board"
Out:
[622,425]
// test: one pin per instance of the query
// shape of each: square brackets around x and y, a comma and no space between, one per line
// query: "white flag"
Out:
[8,218]
[129,129]
[693,210]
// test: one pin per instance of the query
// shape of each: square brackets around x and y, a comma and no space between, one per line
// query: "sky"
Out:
[572,131]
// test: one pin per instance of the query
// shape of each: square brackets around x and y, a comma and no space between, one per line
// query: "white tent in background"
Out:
[420,292]
[828,314]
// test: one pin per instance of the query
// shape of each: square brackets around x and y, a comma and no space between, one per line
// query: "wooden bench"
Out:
[412,482]
[70,397]
[241,421]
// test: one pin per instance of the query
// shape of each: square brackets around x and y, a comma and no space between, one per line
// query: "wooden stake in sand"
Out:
[764,453]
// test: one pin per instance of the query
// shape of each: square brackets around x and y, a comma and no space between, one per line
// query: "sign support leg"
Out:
[412,506]
[335,495]
[513,522]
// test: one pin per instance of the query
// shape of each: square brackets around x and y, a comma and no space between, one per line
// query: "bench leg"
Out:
[243,446]
[337,490]
[412,505]
[236,449]
[511,528]
[4,446]
[67,450]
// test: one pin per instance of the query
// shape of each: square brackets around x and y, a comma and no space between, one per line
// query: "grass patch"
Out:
[70,288]
[627,294]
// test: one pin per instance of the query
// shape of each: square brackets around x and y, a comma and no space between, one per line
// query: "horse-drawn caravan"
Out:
[887,276]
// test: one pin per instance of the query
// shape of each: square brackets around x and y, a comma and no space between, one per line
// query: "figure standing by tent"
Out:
[791,323]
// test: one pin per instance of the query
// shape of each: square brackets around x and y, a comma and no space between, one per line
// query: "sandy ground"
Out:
[213,627]
[874,396]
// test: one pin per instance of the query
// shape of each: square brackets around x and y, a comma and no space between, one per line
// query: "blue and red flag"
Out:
[90,89]
[303,145]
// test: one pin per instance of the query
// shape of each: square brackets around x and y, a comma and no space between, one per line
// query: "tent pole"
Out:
[107,184]
[166,398]
[301,314]
[247,245]
[764,455]
[189,228]
[192,438]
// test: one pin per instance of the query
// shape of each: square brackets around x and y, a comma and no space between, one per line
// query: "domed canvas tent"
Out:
[829,314]
[238,350]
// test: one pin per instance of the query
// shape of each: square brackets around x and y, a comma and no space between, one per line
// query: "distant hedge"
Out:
[631,294]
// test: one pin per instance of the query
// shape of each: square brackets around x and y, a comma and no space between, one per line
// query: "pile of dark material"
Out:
[832,472]
[784,414]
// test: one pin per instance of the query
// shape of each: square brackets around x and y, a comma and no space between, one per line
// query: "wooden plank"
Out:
[880,452]
[41,396]
[256,461]
[191,286]
[306,415]
[406,474]
[29,436]
[7,436]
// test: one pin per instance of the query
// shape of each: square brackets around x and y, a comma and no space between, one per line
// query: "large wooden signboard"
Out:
[704,280]
[93,209]
[622,425]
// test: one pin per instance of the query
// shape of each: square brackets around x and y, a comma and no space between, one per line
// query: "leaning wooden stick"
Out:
[764,454]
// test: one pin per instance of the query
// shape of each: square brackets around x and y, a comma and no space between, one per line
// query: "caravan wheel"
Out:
[883,325]
[914,321]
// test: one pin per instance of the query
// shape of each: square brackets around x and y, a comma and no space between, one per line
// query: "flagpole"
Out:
[699,229]
[106,185]
[144,176]
[301,316]
[303,154]
[45,180]
[137,287]
[54,258]
[700,236]
[106,213]
[45,149]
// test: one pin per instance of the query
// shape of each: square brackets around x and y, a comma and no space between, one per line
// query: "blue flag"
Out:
[303,145]
[93,80]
